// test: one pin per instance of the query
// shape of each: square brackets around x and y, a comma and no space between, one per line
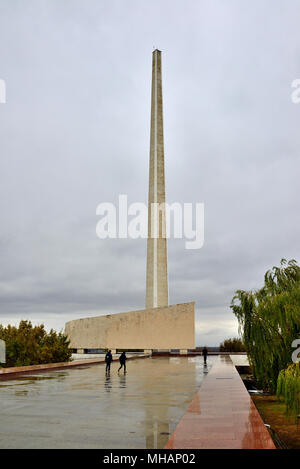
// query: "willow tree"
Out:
[269,321]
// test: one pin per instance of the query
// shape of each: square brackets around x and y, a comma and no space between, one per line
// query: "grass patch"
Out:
[273,413]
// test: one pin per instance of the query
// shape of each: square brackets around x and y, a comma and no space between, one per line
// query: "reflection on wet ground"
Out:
[84,408]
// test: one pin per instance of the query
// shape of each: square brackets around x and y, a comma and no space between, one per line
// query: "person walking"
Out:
[108,360]
[122,361]
[204,353]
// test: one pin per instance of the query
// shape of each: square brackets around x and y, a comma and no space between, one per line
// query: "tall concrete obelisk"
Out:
[157,293]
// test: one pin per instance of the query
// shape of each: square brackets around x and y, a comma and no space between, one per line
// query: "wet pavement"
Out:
[83,408]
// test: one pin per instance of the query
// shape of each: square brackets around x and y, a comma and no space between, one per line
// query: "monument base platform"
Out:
[169,327]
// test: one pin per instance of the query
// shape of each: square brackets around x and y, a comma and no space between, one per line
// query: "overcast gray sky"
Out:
[75,132]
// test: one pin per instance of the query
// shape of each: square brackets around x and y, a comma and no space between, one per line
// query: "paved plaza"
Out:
[82,408]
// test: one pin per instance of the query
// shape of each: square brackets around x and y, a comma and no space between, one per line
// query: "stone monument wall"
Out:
[170,327]
[2,351]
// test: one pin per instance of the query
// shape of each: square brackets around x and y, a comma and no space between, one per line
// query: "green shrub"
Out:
[232,345]
[288,388]
[28,345]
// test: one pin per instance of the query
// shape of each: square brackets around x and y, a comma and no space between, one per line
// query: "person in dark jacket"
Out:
[204,353]
[108,360]
[122,361]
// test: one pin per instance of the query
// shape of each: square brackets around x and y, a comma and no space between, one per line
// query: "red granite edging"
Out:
[222,415]
[13,372]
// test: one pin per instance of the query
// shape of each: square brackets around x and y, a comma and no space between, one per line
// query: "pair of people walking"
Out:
[109,359]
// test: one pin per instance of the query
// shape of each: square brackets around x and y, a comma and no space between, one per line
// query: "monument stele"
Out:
[159,326]
[157,291]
